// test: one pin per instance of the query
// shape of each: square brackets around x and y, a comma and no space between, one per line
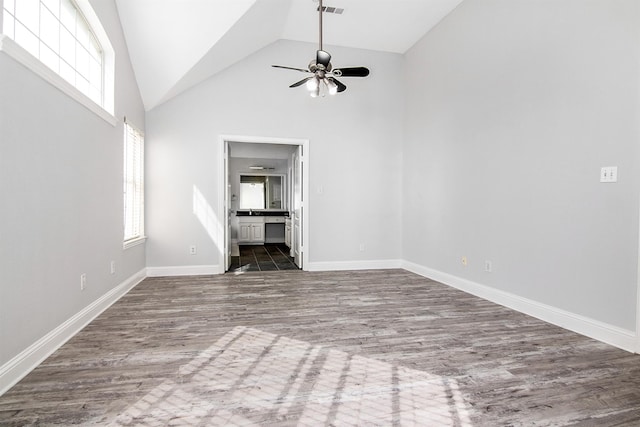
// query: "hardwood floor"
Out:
[333,348]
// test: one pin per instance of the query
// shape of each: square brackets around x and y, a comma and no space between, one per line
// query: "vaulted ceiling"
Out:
[176,44]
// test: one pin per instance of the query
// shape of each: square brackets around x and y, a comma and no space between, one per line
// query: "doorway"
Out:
[297,184]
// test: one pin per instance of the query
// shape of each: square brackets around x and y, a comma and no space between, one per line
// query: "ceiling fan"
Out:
[324,75]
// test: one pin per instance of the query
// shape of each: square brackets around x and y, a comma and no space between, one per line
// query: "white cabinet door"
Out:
[257,233]
[250,230]
[287,235]
[245,232]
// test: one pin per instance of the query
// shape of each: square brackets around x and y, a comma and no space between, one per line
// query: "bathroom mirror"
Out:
[261,191]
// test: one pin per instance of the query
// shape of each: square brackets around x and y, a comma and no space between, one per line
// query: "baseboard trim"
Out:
[384,264]
[18,367]
[26,361]
[183,270]
[609,334]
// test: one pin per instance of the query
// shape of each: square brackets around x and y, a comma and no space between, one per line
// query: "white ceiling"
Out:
[175,44]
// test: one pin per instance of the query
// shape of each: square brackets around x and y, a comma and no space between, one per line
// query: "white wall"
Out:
[355,142]
[512,108]
[61,192]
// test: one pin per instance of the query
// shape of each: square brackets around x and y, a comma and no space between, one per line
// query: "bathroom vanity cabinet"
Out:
[261,227]
[250,229]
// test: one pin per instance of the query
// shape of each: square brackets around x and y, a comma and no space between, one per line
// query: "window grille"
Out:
[57,33]
[133,183]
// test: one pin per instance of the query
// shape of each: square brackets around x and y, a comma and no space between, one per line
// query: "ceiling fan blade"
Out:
[323,58]
[351,72]
[291,68]
[341,86]
[301,82]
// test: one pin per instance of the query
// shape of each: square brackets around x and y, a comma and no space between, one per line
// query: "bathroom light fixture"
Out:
[261,168]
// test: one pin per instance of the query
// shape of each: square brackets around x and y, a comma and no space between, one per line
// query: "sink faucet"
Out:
[250,211]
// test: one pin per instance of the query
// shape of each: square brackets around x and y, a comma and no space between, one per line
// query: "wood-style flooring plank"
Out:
[332,348]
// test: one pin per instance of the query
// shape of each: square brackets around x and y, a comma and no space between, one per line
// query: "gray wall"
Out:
[512,108]
[61,192]
[355,153]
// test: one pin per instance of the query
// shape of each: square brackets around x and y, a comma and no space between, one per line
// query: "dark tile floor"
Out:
[270,257]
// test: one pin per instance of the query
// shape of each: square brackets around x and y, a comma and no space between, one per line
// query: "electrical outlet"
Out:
[361,247]
[112,267]
[83,281]
[463,260]
[193,250]
[609,174]
[487,266]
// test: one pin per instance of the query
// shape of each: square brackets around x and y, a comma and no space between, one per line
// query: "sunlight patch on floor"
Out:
[250,377]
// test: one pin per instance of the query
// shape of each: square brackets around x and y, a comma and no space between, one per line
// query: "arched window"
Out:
[68,38]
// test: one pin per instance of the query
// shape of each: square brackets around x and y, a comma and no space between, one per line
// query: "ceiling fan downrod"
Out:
[320,19]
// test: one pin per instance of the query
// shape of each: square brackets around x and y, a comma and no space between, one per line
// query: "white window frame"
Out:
[21,55]
[133,186]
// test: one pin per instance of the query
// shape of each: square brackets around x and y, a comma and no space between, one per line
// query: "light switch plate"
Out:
[609,174]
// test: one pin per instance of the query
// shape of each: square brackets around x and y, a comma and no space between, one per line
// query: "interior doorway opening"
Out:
[273,222]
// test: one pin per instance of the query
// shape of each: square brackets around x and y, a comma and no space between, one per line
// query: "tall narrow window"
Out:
[133,184]
[57,33]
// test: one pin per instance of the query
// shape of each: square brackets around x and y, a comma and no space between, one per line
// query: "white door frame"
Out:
[223,183]
[637,331]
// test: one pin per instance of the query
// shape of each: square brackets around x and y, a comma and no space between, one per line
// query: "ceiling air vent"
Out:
[329,9]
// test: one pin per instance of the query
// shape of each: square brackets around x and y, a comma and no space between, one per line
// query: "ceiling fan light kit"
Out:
[324,80]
